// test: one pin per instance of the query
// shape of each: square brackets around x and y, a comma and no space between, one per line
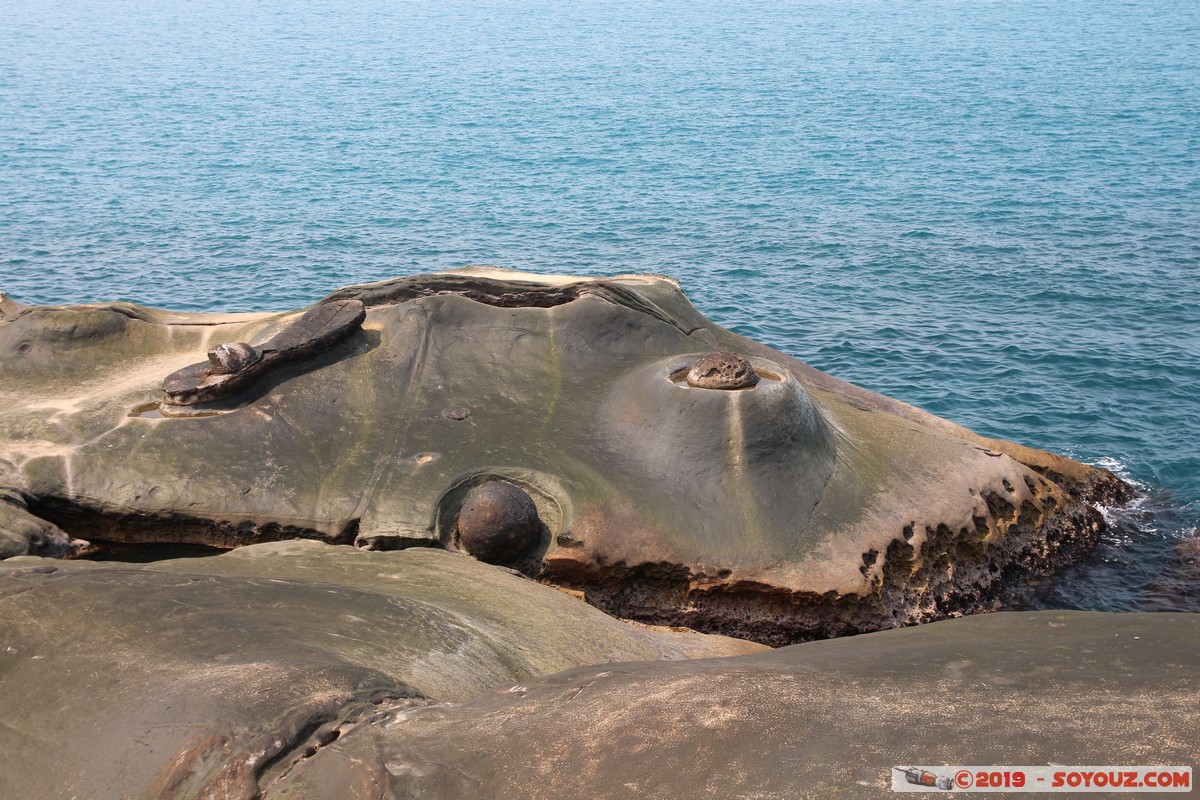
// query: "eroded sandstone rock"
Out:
[821,720]
[722,371]
[227,359]
[231,367]
[22,533]
[797,508]
[213,677]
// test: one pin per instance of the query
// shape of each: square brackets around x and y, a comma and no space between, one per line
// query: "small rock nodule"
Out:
[498,523]
[722,371]
[231,358]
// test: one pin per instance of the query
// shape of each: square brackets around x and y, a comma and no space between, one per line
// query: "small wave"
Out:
[1121,469]
[1144,561]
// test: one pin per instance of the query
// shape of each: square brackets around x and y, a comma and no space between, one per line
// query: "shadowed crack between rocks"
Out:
[138,528]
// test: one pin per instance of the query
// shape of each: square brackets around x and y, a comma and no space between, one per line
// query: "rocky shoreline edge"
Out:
[419,480]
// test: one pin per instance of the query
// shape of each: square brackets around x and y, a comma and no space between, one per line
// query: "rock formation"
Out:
[822,720]
[500,431]
[780,505]
[234,366]
[206,677]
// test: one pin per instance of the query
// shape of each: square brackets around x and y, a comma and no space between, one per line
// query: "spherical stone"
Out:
[722,371]
[498,523]
[225,359]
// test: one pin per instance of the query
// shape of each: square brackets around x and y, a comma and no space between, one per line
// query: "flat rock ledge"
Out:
[666,469]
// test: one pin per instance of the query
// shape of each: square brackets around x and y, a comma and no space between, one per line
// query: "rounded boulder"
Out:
[498,523]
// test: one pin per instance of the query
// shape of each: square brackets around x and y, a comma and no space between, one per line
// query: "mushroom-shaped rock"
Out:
[498,523]
[722,371]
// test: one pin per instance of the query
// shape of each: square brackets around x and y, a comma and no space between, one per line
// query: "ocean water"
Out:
[988,209]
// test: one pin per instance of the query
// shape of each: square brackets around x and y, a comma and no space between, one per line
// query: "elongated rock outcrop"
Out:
[755,496]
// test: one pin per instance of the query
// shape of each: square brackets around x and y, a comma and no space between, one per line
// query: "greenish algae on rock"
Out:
[798,507]
[195,677]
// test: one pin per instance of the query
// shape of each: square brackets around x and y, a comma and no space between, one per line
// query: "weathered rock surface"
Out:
[722,371]
[573,430]
[211,677]
[232,357]
[819,720]
[22,533]
[498,523]
[232,366]
[801,506]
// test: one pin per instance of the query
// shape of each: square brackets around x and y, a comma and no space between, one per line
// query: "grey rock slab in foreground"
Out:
[818,720]
[202,678]
[781,505]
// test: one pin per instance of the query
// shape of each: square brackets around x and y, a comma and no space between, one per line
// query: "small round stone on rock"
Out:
[455,413]
[722,371]
[498,523]
[230,358]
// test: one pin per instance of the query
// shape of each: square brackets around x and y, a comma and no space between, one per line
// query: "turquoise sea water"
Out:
[988,209]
